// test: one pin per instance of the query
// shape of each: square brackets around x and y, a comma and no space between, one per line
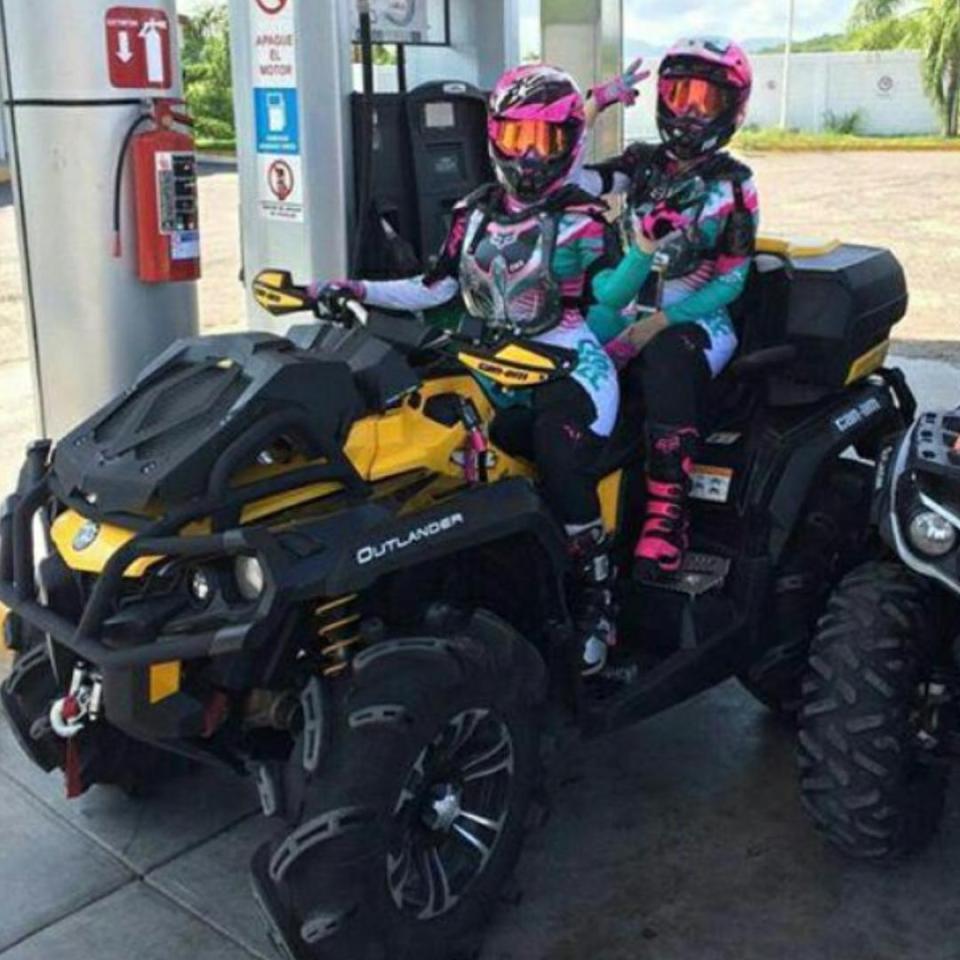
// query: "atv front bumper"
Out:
[344,552]
[128,663]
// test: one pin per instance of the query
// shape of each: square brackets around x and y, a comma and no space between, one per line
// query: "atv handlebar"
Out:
[275,291]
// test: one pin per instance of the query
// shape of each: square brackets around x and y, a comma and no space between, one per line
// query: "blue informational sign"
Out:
[278,120]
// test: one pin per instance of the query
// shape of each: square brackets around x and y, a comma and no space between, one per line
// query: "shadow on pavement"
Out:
[6,195]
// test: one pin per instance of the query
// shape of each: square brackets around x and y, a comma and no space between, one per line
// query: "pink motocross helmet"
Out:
[703,93]
[537,130]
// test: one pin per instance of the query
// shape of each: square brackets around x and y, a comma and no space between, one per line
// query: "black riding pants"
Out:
[674,377]
[555,434]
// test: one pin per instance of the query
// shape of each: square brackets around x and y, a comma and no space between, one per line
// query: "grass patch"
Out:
[217,146]
[791,140]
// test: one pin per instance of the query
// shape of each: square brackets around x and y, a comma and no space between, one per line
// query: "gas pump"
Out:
[334,185]
[415,155]
[428,150]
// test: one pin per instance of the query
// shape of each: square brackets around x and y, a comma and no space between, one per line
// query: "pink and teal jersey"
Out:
[713,211]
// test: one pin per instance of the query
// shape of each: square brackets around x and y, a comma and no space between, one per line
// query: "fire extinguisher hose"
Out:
[118,179]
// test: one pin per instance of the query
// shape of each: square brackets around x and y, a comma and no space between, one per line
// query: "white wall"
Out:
[885,86]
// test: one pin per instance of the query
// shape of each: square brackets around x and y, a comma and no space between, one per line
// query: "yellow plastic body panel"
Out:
[408,440]
[275,292]
[869,363]
[610,491]
[514,353]
[95,557]
[164,680]
[507,374]
[402,441]
[797,249]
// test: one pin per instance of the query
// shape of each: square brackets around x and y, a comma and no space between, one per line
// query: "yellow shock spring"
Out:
[338,629]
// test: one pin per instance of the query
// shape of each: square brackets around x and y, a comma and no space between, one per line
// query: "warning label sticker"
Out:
[711,484]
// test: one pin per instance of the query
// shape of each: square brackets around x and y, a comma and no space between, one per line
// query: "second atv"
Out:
[301,557]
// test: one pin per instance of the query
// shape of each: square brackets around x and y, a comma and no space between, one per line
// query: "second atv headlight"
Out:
[251,580]
[932,535]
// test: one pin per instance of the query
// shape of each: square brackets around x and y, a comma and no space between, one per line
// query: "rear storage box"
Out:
[836,307]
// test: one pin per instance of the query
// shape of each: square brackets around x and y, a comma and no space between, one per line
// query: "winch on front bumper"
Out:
[118,652]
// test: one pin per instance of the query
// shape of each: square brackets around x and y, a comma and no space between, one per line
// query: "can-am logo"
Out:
[856,416]
[378,551]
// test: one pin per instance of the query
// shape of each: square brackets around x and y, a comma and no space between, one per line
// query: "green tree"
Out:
[941,60]
[866,12]
[207,77]
[888,33]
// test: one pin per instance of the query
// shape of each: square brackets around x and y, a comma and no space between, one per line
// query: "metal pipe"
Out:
[787,56]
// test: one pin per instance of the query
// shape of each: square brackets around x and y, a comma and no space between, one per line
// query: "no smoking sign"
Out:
[281,188]
[282,180]
[271,6]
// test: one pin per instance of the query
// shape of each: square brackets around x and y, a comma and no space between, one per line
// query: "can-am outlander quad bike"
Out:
[301,557]
[878,726]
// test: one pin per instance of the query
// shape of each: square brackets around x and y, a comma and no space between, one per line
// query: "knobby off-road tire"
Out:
[400,841]
[26,695]
[864,778]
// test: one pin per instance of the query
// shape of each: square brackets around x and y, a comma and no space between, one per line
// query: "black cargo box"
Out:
[837,308]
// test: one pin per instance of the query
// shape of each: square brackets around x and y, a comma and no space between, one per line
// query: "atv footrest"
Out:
[701,573]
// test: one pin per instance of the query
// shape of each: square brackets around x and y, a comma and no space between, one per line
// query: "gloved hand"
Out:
[624,89]
[353,289]
[662,222]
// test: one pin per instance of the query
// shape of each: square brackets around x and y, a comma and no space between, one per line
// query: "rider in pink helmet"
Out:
[537,129]
[702,96]
[691,217]
[522,256]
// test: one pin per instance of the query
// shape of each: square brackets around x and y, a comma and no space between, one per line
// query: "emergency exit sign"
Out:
[139,43]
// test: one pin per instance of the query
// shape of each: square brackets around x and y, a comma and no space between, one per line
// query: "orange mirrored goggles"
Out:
[516,137]
[691,96]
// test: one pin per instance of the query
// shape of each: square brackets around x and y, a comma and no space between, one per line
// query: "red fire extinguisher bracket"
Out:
[164,164]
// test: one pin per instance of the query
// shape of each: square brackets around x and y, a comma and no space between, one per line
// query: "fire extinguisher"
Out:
[165,187]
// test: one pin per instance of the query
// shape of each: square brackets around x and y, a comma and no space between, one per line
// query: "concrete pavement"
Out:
[681,839]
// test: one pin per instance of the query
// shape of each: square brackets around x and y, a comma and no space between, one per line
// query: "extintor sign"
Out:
[139,48]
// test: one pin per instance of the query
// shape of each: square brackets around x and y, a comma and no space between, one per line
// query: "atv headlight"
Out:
[201,586]
[932,535]
[250,576]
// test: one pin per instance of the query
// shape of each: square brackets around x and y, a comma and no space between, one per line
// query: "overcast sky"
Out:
[660,22]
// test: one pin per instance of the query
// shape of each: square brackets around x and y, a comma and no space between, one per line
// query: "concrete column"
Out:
[296,172]
[69,98]
[586,38]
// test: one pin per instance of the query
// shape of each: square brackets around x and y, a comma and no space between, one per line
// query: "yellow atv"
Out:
[302,557]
